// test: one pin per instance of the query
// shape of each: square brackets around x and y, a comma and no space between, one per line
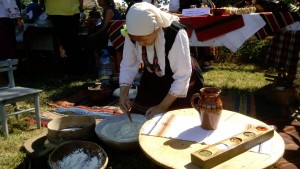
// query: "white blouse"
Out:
[179,58]
[11,6]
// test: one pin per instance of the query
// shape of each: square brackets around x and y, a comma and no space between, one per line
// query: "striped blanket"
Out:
[252,105]
[115,35]
[283,52]
[276,21]
[208,27]
[81,104]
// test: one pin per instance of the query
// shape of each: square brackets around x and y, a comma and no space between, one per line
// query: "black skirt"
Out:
[8,43]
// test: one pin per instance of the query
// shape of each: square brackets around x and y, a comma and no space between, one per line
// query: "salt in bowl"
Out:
[78,154]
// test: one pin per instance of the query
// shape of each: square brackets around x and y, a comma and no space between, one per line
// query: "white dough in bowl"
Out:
[122,130]
[117,131]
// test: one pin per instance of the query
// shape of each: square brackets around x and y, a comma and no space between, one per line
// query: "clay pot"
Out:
[209,105]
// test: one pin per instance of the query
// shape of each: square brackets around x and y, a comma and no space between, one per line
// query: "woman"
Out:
[169,78]
[36,8]
[65,16]
[9,18]
[98,39]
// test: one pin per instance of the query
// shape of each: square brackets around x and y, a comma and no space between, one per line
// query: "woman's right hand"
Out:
[124,101]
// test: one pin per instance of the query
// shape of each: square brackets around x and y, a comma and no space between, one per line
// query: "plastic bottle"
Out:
[105,67]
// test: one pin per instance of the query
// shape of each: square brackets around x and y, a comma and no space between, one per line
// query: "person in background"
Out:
[94,13]
[36,9]
[98,39]
[65,16]
[170,77]
[248,3]
[9,19]
[131,2]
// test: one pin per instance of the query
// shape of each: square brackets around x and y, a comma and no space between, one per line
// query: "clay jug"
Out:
[209,105]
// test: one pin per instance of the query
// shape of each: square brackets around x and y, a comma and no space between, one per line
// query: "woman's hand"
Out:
[124,101]
[162,107]
[125,104]
[152,111]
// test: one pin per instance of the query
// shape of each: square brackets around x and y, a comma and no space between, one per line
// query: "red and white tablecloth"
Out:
[233,34]
[230,31]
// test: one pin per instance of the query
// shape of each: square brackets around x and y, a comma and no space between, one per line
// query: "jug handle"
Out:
[194,96]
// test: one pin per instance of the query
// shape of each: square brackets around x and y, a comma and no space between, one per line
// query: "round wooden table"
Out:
[175,153]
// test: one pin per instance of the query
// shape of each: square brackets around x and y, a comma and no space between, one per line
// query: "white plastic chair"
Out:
[11,94]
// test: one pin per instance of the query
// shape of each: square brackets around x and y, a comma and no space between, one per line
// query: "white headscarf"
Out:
[143,18]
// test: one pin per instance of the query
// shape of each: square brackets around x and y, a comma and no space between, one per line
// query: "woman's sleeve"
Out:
[129,65]
[180,62]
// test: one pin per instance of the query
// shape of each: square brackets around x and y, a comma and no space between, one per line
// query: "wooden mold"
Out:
[224,150]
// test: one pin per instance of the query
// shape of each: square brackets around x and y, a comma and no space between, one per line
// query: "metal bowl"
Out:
[113,131]
[73,127]
[78,154]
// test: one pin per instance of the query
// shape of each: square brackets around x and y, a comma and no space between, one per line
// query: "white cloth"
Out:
[293,27]
[179,57]
[185,128]
[144,18]
[233,40]
[9,9]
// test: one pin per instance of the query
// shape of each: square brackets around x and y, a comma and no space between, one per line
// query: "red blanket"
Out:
[208,27]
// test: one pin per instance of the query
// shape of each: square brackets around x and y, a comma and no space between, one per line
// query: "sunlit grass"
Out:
[11,152]
[235,78]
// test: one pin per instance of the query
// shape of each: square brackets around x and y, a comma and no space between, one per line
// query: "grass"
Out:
[235,78]
[229,77]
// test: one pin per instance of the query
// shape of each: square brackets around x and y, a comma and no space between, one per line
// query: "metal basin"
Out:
[74,127]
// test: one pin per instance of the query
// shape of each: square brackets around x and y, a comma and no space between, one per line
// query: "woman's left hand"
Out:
[162,107]
[152,111]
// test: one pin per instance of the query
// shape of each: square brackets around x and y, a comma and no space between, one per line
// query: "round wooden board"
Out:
[174,153]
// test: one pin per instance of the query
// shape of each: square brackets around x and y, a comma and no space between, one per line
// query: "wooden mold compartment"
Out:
[224,150]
